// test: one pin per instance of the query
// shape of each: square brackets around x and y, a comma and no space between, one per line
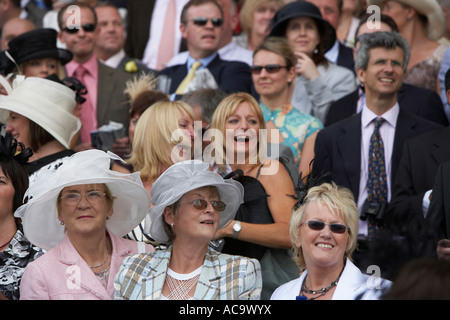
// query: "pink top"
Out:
[61,273]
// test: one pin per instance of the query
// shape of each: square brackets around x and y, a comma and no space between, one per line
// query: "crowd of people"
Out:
[224,150]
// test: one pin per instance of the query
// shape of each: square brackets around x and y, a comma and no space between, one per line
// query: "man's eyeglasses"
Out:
[88,27]
[270,68]
[201,204]
[74,198]
[319,225]
[202,21]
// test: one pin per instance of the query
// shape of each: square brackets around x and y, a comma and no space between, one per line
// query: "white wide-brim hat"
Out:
[429,8]
[47,103]
[40,215]
[186,176]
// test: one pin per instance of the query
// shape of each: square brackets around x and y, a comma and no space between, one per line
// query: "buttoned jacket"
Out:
[223,277]
[62,274]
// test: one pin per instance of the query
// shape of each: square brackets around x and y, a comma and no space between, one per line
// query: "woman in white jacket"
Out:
[323,230]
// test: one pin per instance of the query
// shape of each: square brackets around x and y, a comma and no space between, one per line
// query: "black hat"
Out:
[35,44]
[296,9]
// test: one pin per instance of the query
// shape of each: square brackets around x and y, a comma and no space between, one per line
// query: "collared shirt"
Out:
[115,60]
[190,61]
[91,83]
[91,80]
[387,132]
[229,52]
[150,56]
[333,53]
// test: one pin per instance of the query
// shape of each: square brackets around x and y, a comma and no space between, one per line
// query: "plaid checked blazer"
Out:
[223,277]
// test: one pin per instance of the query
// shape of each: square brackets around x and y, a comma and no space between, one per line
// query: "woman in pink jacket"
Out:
[79,213]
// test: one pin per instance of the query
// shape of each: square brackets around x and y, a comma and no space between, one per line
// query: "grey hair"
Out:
[389,40]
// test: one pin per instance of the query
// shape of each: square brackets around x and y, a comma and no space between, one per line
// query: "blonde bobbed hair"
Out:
[340,202]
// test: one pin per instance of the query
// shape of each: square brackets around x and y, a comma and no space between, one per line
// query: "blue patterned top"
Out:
[294,126]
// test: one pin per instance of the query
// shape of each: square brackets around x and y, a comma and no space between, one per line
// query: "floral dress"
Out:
[425,73]
[13,261]
[294,126]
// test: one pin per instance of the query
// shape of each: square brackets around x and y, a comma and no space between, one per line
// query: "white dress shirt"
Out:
[387,132]
[150,56]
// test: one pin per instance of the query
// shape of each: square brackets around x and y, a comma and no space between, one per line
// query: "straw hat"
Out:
[40,215]
[296,9]
[47,103]
[429,8]
[186,176]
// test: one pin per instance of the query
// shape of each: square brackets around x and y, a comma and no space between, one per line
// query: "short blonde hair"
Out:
[224,110]
[152,142]
[341,203]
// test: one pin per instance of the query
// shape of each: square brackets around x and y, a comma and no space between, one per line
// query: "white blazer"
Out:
[353,285]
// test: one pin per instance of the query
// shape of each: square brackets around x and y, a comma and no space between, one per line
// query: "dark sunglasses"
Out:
[88,27]
[202,21]
[201,204]
[319,225]
[270,68]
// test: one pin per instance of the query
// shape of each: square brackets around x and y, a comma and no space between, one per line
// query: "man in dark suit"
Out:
[201,27]
[343,149]
[422,102]
[417,170]
[106,100]
[438,217]
[111,39]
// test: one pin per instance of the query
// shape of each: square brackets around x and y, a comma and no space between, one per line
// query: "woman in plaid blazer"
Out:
[190,203]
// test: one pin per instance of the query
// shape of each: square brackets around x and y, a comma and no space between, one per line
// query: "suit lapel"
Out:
[208,287]
[106,84]
[78,272]
[403,131]
[441,151]
[349,150]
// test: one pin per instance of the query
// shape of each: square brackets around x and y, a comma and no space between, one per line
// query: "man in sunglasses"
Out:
[105,100]
[201,27]
[228,49]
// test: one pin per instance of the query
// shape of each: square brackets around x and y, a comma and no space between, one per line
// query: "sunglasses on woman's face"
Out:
[201,204]
[319,225]
[270,68]
[202,21]
[88,27]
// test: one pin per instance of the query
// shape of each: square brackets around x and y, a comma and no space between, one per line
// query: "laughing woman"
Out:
[261,226]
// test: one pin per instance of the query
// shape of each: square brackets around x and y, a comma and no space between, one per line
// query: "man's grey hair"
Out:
[380,39]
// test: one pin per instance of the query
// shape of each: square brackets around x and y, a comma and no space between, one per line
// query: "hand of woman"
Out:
[305,66]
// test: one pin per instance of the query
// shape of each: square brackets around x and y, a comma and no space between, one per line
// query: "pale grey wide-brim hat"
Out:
[40,215]
[186,176]
[429,8]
